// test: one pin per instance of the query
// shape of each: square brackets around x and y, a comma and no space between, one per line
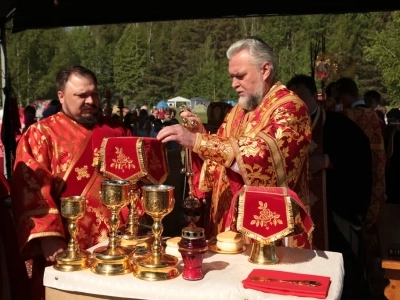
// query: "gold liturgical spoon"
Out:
[299,282]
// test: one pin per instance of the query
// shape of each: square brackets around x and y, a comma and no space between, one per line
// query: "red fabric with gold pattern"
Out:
[134,159]
[47,158]
[267,214]
[369,122]
[267,144]
[53,155]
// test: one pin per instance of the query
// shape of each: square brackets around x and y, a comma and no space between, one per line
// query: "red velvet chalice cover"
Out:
[134,159]
[267,214]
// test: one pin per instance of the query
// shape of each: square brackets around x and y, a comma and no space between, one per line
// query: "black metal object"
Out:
[36,14]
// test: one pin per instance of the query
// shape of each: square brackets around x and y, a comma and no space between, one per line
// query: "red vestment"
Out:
[370,123]
[269,145]
[56,157]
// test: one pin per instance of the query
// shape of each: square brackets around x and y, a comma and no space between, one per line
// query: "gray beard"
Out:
[252,102]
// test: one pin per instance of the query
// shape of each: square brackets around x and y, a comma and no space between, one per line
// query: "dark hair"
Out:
[329,88]
[305,80]
[373,94]
[174,121]
[393,115]
[128,120]
[347,86]
[30,110]
[143,112]
[64,74]
[54,102]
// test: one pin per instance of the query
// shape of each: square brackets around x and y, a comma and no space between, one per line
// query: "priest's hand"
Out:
[191,121]
[51,246]
[177,133]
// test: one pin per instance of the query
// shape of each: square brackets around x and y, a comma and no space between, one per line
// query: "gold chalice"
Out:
[263,253]
[133,233]
[158,201]
[113,259]
[73,258]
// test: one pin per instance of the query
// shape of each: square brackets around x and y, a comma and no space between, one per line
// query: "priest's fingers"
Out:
[193,124]
[188,114]
[177,133]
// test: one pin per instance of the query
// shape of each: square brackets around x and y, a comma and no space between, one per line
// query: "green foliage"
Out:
[148,62]
[130,63]
[384,51]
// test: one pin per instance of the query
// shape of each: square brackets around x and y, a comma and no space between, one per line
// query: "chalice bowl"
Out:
[113,259]
[158,201]
[73,258]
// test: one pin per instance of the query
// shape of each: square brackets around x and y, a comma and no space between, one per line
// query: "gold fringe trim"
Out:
[143,164]
[262,239]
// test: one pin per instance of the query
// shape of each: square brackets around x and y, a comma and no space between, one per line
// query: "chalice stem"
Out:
[157,229]
[72,245]
[133,217]
[114,223]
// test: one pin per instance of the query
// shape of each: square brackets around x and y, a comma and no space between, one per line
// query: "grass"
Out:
[202,116]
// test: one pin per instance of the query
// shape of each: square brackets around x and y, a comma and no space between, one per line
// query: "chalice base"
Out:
[147,268]
[142,243]
[109,261]
[67,261]
[263,254]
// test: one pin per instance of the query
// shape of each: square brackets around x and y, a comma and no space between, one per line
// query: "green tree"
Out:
[384,51]
[35,59]
[130,63]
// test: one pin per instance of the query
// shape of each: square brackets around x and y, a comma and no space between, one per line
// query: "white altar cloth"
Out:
[222,280]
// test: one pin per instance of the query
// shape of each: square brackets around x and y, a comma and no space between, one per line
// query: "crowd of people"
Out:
[332,156]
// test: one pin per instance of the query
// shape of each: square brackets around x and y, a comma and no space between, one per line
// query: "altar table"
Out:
[223,279]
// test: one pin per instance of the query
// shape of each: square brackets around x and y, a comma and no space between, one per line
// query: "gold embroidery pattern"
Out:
[266,217]
[96,157]
[82,172]
[122,161]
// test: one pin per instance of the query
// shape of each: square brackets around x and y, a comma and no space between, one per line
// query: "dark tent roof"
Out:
[34,14]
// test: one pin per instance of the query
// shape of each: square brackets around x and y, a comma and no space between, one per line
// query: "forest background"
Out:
[143,63]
